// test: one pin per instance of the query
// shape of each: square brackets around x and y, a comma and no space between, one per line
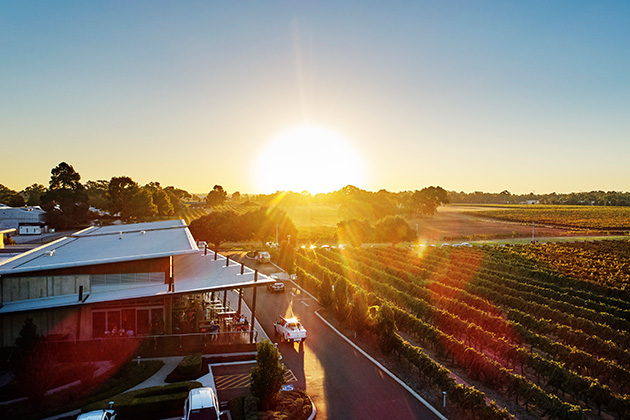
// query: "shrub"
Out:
[267,376]
[149,403]
[190,367]
[235,405]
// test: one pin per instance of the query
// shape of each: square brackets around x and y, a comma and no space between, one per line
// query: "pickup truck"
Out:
[289,329]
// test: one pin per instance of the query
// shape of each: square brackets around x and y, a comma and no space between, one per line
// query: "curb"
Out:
[314,412]
[383,368]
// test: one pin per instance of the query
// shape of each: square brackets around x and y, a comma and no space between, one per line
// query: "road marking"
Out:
[292,294]
[243,380]
[303,303]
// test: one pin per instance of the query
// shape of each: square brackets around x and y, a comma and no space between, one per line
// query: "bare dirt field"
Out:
[450,223]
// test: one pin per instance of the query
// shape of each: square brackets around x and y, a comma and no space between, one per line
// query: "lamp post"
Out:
[289,239]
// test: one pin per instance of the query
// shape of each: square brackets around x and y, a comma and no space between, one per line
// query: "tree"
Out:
[179,193]
[354,232]
[341,298]
[216,227]
[141,206]
[10,198]
[394,229]
[97,193]
[325,293]
[427,200]
[177,196]
[32,194]
[286,257]
[66,202]
[163,203]
[261,224]
[267,376]
[34,363]
[120,192]
[386,327]
[216,197]
[236,196]
[359,311]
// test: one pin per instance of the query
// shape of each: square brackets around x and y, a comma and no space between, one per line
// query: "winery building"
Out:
[112,278]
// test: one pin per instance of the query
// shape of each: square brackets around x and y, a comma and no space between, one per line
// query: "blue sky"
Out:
[488,95]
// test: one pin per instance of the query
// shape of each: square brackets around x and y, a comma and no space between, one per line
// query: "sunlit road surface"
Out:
[343,384]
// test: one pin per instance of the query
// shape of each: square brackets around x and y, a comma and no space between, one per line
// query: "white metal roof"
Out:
[193,271]
[107,244]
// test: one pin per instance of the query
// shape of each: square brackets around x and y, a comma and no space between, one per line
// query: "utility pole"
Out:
[533,241]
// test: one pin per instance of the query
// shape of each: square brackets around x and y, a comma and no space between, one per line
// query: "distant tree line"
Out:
[67,201]
[263,225]
[355,203]
[591,198]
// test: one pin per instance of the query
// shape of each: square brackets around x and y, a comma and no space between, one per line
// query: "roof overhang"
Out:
[193,273]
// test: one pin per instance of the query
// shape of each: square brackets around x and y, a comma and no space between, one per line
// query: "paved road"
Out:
[343,384]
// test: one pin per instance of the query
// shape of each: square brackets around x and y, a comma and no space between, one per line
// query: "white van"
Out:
[201,404]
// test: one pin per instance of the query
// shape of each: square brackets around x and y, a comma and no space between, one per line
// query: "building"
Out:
[2,233]
[26,220]
[112,278]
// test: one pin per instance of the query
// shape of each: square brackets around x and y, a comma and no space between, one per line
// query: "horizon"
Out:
[470,97]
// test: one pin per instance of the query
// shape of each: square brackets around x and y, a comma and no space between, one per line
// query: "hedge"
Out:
[149,403]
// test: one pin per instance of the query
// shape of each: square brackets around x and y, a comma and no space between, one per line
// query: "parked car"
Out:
[201,404]
[98,415]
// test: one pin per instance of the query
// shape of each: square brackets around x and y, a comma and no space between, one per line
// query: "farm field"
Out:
[190,213]
[539,343]
[463,223]
[317,225]
[315,215]
[576,217]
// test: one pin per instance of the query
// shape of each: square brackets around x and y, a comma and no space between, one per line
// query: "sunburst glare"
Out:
[308,158]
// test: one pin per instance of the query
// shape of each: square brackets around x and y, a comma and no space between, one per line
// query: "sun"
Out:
[308,158]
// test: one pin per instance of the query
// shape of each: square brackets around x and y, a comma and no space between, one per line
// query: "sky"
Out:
[468,95]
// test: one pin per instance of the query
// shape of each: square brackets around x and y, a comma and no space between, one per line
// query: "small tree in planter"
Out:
[267,375]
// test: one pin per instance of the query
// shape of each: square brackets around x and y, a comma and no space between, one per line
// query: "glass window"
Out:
[113,321]
[144,326]
[208,413]
[98,324]
[157,321]
[129,319]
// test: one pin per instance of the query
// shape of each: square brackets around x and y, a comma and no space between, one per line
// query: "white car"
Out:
[201,404]
[276,287]
[98,415]
[263,257]
[290,329]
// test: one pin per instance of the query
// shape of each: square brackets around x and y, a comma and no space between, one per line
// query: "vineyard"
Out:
[600,262]
[578,217]
[189,213]
[546,345]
